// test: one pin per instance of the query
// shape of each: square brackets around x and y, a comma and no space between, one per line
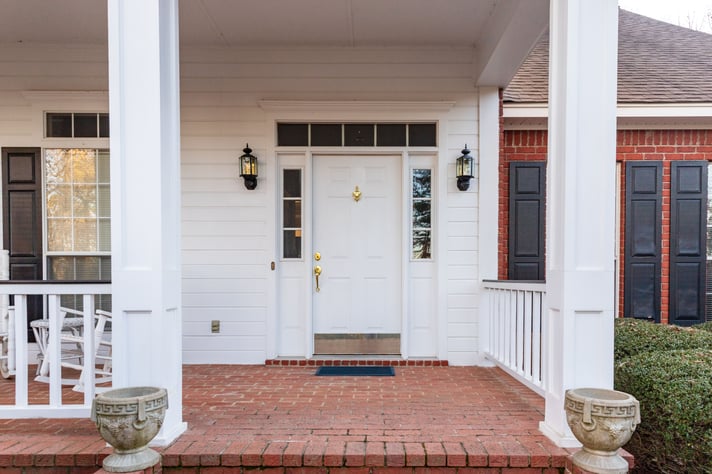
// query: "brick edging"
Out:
[355,362]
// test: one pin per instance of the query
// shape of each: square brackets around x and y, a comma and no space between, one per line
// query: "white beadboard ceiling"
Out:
[265,22]
[499,32]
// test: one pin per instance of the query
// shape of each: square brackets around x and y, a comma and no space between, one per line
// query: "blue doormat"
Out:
[357,370]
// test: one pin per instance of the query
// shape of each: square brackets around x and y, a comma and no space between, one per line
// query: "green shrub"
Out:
[634,336]
[704,326]
[675,393]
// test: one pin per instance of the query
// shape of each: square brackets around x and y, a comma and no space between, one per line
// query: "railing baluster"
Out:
[54,351]
[21,380]
[527,335]
[88,374]
[537,339]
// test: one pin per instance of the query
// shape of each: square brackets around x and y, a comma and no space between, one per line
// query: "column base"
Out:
[561,440]
[168,435]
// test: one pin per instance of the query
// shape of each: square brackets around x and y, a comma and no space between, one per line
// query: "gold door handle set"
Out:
[317,270]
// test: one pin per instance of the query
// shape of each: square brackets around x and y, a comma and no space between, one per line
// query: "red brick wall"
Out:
[665,146]
[653,145]
[519,145]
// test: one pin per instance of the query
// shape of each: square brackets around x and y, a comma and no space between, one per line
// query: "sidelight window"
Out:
[421,214]
[292,213]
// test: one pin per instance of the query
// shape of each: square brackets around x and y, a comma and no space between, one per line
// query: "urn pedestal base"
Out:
[601,462]
[129,462]
[603,421]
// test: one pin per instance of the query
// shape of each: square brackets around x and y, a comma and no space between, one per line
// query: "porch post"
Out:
[145,200]
[580,203]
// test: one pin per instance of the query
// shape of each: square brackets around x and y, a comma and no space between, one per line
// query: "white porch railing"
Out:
[18,349]
[514,328]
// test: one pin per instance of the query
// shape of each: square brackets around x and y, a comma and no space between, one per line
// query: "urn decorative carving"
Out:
[603,421]
[128,419]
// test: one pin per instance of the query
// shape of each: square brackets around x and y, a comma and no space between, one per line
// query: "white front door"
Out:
[357,234]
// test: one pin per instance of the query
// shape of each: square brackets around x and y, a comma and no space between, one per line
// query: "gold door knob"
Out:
[317,272]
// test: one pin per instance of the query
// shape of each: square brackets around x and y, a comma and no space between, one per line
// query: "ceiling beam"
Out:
[509,35]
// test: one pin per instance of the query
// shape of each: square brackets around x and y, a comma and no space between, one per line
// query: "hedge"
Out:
[704,326]
[635,336]
[675,393]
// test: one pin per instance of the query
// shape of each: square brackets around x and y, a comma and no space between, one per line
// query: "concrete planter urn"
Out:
[128,419]
[603,421]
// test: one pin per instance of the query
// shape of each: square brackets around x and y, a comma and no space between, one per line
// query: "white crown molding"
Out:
[679,110]
[66,96]
[354,105]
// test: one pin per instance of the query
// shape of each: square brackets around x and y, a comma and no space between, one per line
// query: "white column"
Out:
[488,203]
[580,203]
[488,164]
[145,200]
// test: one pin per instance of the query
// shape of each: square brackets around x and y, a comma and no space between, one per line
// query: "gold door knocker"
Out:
[356,194]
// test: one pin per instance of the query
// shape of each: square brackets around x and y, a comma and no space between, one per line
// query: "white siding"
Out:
[228,232]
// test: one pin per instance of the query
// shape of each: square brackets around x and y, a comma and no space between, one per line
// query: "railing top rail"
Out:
[521,285]
[53,287]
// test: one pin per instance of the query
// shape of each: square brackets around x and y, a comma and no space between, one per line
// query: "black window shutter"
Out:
[688,218]
[643,227]
[22,219]
[527,197]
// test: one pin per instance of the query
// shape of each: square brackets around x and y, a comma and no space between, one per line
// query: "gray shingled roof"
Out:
[657,63]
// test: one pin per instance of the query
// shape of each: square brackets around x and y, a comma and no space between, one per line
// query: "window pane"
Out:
[84,200]
[292,213]
[85,235]
[87,268]
[59,125]
[292,243]
[292,183]
[421,183]
[59,200]
[104,125]
[421,244]
[358,134]
[59,235]
[61,268]
[326,134]
[421,214]
[84,166]
[103,166]
[85,125]
[292,134]
[105,268]
[58,166]
[104,201]
[422,134]
[104,235]
[390,134]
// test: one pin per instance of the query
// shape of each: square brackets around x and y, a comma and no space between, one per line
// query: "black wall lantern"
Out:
[248,167]
[464,167]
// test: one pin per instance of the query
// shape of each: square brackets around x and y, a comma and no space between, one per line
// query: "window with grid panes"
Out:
[78,217]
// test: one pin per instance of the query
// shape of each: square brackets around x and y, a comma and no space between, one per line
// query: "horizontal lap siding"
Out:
[462,250]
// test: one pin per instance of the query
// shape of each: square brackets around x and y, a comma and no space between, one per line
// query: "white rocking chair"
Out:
[102,351]
[72,348]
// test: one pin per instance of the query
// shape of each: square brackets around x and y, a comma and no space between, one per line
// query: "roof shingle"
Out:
[657,63]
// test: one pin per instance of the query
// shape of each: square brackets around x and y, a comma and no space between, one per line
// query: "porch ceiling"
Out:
[491,27]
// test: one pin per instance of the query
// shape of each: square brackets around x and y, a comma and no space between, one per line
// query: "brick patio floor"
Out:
[285,417]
